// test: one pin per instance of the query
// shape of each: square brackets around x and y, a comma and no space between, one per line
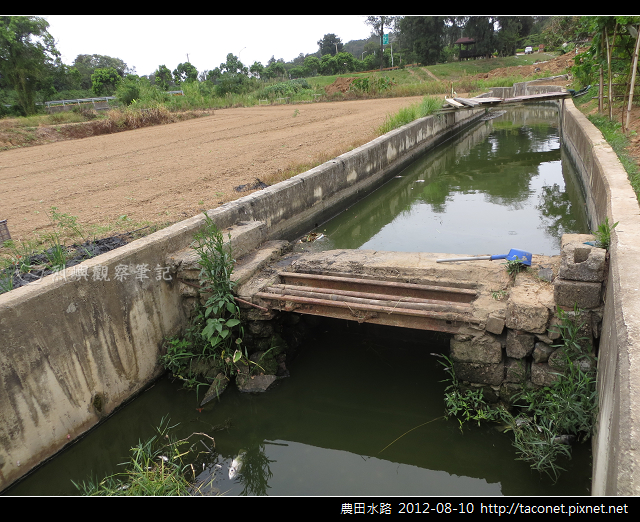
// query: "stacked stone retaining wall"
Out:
[524,350]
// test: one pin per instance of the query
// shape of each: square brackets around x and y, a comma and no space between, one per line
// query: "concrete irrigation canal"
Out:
[75,349]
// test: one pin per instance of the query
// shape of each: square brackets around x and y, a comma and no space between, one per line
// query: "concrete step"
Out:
[243,238]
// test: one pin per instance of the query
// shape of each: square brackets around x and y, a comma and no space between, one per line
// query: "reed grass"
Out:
[429,105]
[156,467]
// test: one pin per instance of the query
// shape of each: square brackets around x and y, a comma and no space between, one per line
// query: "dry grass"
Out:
[37,130]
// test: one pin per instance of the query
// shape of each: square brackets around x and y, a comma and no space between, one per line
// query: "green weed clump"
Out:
[405,115]
[135,118]
[213,341]
[372,84]
[603,233]
[283,89]
[514,266]
[157,467]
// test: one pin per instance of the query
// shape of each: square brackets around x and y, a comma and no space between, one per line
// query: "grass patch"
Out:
[65,243]
[405,115]
[619,143]
[545,420]
[456,70]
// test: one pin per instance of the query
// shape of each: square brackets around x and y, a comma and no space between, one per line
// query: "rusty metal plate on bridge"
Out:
[424,307]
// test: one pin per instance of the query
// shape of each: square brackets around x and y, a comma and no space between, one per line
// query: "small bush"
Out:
[372,84]
[134,118]
[128,91]
[157,467]
[282,89]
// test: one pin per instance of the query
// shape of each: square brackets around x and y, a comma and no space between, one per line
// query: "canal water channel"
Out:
[362,410]
[505,183]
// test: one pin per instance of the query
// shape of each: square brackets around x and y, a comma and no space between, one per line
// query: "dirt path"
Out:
[171,172]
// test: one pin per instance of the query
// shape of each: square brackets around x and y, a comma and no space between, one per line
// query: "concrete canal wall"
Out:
[616,447]
[608,194]
[75,346]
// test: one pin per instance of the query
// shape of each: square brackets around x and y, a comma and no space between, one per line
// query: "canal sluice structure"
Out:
[505,328]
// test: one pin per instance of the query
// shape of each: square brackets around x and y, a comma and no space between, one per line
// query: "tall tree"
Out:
[480,28]
[312,64]
[330,44]
[424,36]
[185,72]
[510,30]
[86,64]
[256,69]
[26,48]
[104,81]
[378,23]
[233,65]
[454,25]
[163,77]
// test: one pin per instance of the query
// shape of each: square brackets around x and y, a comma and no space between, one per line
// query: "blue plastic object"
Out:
[513,255]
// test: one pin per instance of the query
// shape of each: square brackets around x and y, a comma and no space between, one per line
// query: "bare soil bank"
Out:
[170,172]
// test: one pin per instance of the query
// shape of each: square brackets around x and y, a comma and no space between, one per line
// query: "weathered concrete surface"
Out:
[616,448]
[580,262]
[73,350]
[489,279]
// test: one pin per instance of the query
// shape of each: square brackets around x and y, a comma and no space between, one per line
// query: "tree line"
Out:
[31,69]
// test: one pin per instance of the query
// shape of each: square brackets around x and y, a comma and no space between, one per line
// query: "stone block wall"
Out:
[526,351]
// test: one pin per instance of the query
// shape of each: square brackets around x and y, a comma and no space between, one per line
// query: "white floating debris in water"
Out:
[236,465]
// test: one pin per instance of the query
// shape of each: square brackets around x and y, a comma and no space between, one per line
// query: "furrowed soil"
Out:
[169,172]
[165,173]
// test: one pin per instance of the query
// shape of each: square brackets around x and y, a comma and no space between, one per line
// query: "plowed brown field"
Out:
[171,172]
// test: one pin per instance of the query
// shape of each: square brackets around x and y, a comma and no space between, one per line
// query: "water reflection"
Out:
[362,411]
[361,414]
[500,185]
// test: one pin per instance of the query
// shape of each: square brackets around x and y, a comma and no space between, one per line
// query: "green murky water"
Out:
[502,184]
[329,429]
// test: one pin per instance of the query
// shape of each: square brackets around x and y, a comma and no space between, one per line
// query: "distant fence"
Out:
[66,105]
[98,104]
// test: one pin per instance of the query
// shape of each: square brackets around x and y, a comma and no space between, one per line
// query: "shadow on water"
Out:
[329,429]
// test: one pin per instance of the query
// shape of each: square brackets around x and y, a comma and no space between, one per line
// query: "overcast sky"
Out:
[145,42]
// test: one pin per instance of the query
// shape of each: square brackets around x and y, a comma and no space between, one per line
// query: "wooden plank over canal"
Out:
[492,101]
